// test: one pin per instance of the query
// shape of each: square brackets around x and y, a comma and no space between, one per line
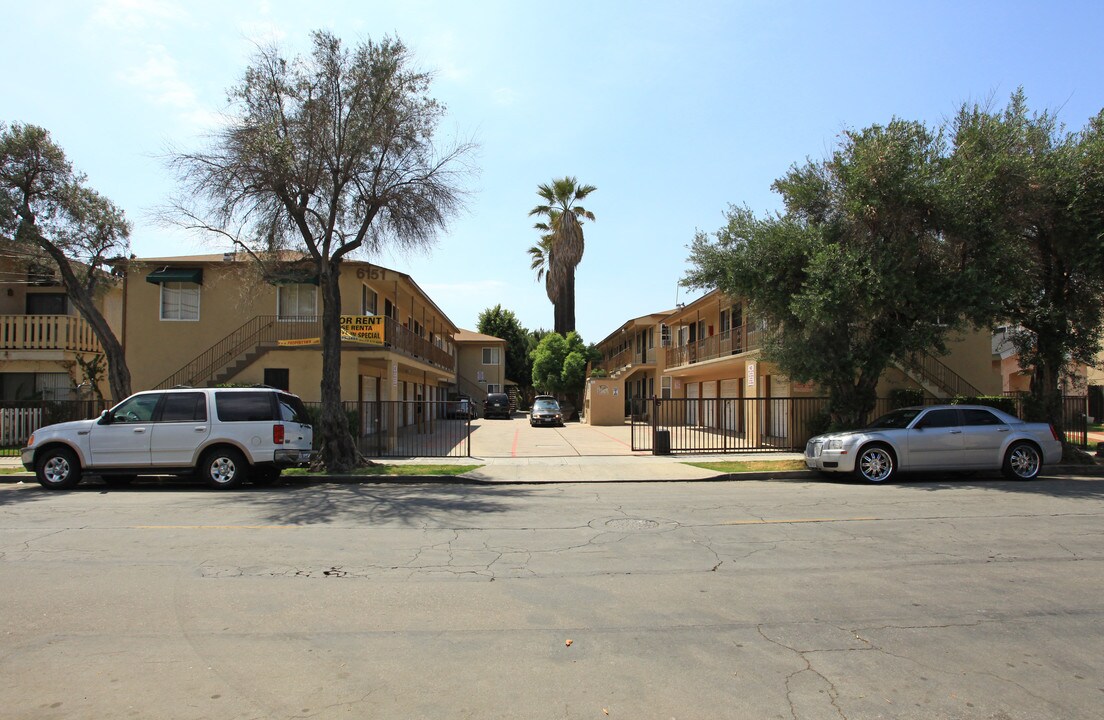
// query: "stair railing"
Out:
[936,372]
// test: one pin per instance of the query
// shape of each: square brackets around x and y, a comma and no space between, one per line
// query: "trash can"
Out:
[662,443]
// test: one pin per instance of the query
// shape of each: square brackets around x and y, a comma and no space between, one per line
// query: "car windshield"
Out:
[546,405]
[896,419]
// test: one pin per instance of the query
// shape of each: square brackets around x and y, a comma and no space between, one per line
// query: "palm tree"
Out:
[561,246]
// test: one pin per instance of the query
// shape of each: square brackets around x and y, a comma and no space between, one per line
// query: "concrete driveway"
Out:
[515,438]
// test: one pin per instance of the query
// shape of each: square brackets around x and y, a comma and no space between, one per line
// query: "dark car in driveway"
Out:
[497,405]
[546,411]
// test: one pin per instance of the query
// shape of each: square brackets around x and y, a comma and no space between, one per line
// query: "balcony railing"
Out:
[270,329]
[740,339]
[628,356]
[47,332]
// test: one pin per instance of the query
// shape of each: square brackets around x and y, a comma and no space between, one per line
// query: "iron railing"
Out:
[47,332]
[404,428]
[271,329]
[936,372]
[726,425]
[740,339]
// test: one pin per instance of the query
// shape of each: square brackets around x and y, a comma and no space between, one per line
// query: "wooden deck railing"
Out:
[740,339]
[47,332]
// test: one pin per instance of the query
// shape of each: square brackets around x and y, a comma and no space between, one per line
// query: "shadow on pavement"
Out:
[1091,487]
[293,502]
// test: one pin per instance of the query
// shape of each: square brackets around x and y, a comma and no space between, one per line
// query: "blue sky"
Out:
[673,111]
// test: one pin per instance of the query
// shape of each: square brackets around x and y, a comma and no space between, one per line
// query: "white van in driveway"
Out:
[224,435]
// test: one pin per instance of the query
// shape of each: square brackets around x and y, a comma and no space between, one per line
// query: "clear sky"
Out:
[673,110]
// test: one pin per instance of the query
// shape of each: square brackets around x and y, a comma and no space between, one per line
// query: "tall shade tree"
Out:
[562,225]
[1036,192]
[329,153]
[857,272]
[47,209]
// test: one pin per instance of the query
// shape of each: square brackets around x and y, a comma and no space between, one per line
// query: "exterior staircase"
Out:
[936,378]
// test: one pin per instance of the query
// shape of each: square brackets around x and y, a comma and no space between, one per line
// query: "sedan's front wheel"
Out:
[875,463]
[1022,462]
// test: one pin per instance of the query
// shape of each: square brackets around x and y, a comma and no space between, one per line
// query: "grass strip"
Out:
[393,470]
[736,466]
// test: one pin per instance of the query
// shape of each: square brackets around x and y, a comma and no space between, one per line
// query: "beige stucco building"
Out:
[215,319]
[711,349]
[42,335]
[481,365]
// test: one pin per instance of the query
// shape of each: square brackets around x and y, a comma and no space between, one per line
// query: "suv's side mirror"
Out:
[105,418]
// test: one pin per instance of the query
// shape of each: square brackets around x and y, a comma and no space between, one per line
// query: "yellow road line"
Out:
[800,520]
[213,527]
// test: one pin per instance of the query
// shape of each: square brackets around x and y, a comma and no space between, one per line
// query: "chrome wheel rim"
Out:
[875,464]
[223,470]
[56,469]
[1024,462]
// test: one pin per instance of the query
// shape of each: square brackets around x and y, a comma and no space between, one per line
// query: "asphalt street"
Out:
[926,598]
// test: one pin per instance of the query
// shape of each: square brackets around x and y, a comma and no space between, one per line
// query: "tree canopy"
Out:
[331,153]
[857,271]
[50,214]
[1035,193]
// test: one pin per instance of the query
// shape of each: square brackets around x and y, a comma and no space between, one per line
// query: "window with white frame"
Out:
[490,356]
[492,388]
[295,301]
[665,387]
[179,301]
[367,300]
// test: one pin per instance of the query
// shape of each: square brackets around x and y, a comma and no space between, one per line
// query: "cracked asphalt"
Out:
[932,598]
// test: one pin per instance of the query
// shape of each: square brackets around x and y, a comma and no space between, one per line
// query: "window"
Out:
[492,388]
[980,417]
[665,387]
[179,301]
[136,409]
[368,299]
[47,304]
[940,419]
[724,322]
[490,356]
[278,378]
[244,406]
[184,407]
[36,386]
[295,301]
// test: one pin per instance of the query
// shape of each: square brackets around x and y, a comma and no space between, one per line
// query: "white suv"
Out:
[223,435]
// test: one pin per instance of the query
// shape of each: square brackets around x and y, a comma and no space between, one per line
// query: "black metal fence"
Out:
[405,428]
[413,428]
[726,425]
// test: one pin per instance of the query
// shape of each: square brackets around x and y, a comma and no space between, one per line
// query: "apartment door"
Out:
[730,394]
[709,403]
[692,403]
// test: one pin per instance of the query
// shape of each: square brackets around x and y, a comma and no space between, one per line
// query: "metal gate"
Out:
[725,425]
[407,428]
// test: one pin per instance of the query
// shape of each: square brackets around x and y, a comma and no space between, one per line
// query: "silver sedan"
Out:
[939,437]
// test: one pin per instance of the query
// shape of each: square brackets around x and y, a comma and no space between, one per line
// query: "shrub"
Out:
[999,402]
[905,397]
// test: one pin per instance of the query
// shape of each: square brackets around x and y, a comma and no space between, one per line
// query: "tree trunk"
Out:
[564,307]
[118,374]
[338,449]
[850,402]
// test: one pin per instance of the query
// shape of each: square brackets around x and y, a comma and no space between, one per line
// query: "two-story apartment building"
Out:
[480,365]
[215,319]
[710,349]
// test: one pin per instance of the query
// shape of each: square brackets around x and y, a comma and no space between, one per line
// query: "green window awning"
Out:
[187,275]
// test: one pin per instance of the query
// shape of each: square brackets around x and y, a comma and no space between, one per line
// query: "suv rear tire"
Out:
[223,468]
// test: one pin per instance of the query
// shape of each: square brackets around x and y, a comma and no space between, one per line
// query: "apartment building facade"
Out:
[711,349]
[43,338]
[217,319]
[480,365]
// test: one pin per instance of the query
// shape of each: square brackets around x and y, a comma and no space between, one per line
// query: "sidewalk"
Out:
[580,469]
